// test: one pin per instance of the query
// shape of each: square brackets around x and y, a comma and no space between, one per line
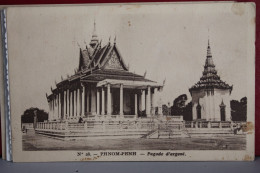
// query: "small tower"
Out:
[94,39]
[210,93]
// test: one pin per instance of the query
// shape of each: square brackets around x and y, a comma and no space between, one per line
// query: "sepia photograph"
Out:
[141,81]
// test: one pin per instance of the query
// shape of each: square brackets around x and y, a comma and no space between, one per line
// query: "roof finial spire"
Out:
[208,38]
[208,49]
[94,39]
[94,25]
[115,40]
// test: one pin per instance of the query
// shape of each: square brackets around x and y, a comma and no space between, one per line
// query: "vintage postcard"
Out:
[132,82]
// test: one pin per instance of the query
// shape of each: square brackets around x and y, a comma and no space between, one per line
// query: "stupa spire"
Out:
[209,60]
[210,79]
[209,50]
[94,39]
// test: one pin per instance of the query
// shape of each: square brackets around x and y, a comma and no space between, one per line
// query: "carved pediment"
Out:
[114,61]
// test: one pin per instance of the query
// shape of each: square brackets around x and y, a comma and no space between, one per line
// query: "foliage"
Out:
[28,115]
[179,105]
[165,110]
[187,112]
[239,109]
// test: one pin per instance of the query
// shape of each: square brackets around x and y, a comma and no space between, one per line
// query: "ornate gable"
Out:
[114,62]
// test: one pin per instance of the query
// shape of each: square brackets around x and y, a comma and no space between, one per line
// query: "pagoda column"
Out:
[60,95]
[207,116]
[87,100]
[159,102]
[57,107]
[121,100]
[64,103]
[143,100]
[108,100]
[152,102]
[51,111]
[148,102]
[102,101]
[49,104]
[54,107]
[140,101]
[58,104]
[49,117]
[93,101]
[75,104]
[71,101]
[83,100]
[136,108]
[155,101]
[67,103]
[98,102]
[210,107]
[61,104]
[78,102]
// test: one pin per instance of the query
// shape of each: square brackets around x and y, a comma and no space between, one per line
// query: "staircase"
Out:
[150,133]
[75,126]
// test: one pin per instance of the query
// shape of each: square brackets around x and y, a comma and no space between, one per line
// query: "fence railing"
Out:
[137,124]
[208,124]
[27,125]
[52,125]
[99,125]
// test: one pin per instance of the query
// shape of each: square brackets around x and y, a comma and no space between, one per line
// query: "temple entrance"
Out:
[128,101]
[198,112]
[129,104]
[116,101]
[222,113]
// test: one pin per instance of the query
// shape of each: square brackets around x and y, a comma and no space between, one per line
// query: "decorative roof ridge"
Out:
[100,57]
[121,59]
[115,70]
[105,58]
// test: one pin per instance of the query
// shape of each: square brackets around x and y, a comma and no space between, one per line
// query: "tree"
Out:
[239,109]
[165,110]
[28,115]
[179,105]
[187,112]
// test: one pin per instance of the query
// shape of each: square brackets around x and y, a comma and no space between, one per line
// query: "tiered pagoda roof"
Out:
[210,79]
[98,62]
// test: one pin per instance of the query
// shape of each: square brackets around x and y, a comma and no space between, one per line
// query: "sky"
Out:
[167,41]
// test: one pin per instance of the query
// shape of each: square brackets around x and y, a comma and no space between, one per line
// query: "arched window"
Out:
[222,111]
[198,111]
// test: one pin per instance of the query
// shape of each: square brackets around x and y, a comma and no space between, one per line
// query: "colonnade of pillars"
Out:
[76,103]
[66,104]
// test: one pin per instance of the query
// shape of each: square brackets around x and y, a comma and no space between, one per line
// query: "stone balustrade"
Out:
[52,125]
[137,124]
[208,124]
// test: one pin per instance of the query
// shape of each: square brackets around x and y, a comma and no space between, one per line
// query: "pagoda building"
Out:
[210,95]
[103,86]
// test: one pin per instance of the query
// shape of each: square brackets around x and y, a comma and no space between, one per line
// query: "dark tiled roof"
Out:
[100,75]
[84,60]
[101,54]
